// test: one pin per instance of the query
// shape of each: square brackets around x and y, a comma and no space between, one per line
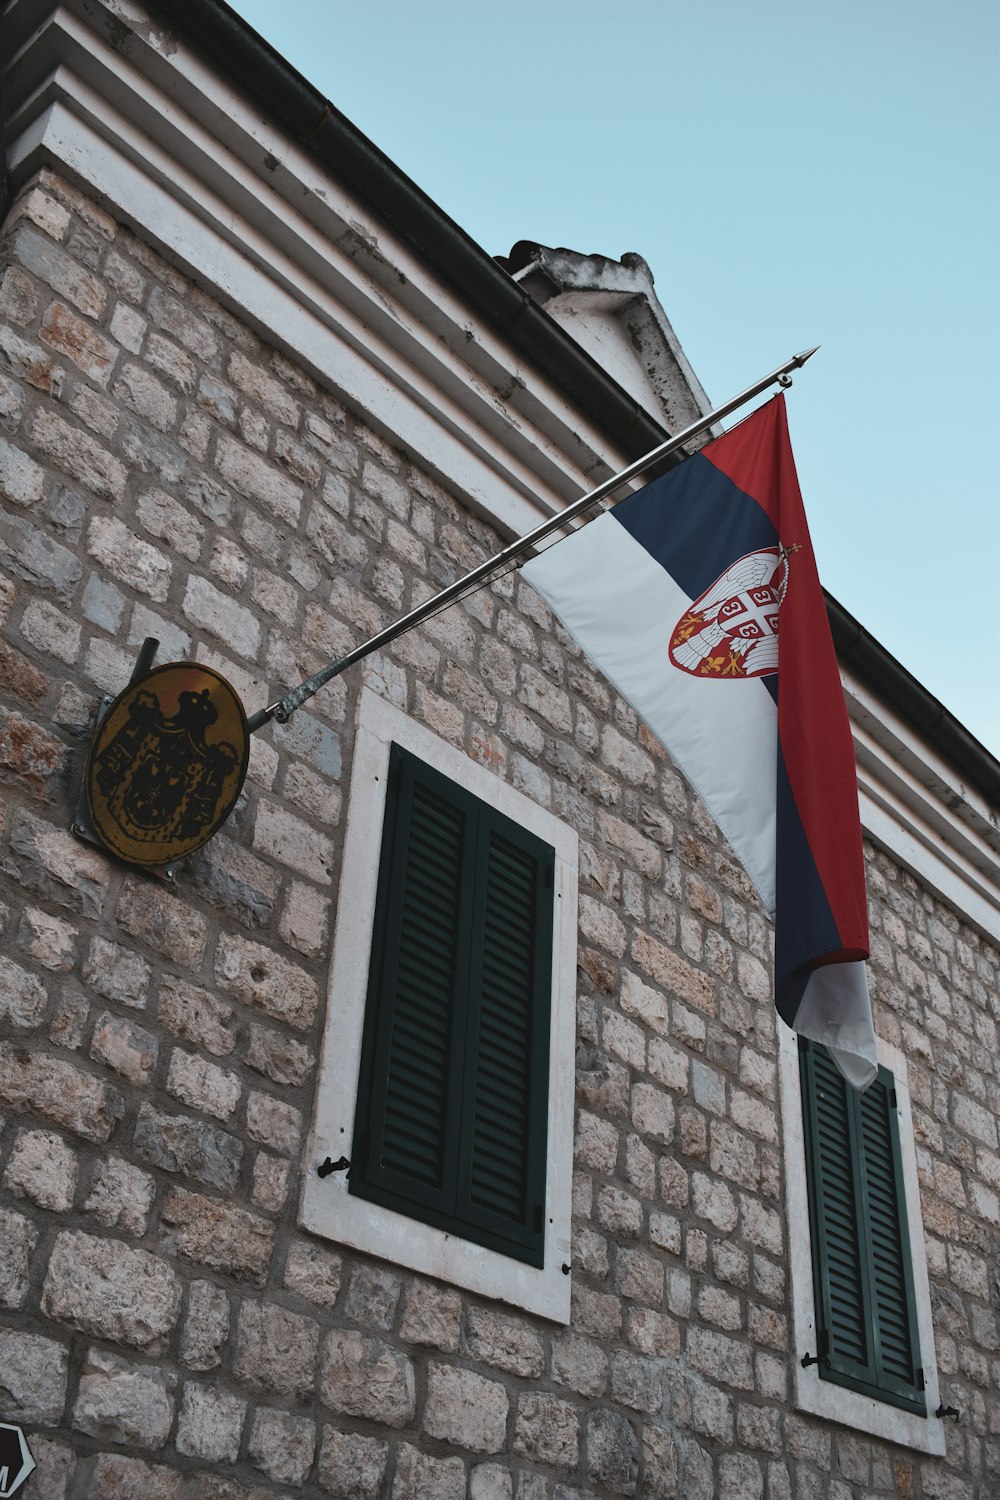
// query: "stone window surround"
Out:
[823,1398]
[327,1208]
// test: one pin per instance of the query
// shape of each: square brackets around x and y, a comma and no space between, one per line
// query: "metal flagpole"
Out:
[283,709]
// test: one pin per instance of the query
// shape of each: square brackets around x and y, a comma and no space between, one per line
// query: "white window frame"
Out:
[327,1208]
[824,1398]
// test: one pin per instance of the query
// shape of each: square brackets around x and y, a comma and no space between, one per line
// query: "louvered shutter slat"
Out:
[505,1176]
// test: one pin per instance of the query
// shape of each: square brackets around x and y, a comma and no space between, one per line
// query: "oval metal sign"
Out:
[167,764]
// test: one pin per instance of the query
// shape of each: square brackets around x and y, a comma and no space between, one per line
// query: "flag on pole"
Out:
[677,595]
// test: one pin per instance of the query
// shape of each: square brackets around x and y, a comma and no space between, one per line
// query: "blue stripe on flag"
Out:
[807,926]
[695,522]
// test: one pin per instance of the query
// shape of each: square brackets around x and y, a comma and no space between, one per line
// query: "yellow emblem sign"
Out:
[167,764]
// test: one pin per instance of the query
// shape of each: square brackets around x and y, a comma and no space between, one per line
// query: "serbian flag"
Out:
[698,597]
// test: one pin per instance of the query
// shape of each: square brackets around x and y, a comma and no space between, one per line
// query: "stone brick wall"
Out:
[165,1330]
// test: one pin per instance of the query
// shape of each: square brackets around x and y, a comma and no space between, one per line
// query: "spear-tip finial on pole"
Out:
[800,359]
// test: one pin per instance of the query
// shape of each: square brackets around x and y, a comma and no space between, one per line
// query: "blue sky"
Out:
[794,174]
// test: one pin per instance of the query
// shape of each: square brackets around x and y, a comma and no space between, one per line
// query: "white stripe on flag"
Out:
[835,1011]
[621,606]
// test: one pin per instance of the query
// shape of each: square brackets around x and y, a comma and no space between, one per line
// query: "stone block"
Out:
[222,617]
[180,323]
[713,1200]
[128,558]
[491,1482]
[293,842]
[166,519]
[432,1316]
[547,1430]
[117,973]
[20,676]
[56,866]
[59,1091]
[372,1296]
[214,1233]
[58,270]
[23,997]
[210,1424]
[279,1057]
[270,1182]
[197,1016]
[118,1477]
[364,1377]
[639,1277]
[260,977]
[18,1237]
[418,1476]
[30,756]
[282,1445]
[51,631]
[164,922]
[178,1143]
[83,459]
[273,1123]
[171,362]
[21,479]
[206,1326]
[72,336]
[121,1195]
[122,1045]
[29,553]
[506,1343]
[123,1403]
[203,1085]
[466,1409]
[637,1382]
[43,1169]
[262,388]
[103,604]
[276,1351]
[252,476]
[105,1288]
[313,1272]
[673,973]
[33,1378]
[351,1466]
[612,1452]
[232,879]
[127,327]
[580,1364]
[720,1358]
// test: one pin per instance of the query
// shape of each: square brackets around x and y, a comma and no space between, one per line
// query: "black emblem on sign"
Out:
[16,1462]
[167,764]
[161,780]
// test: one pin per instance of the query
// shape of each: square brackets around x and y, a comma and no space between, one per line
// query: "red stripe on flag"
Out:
[813,726]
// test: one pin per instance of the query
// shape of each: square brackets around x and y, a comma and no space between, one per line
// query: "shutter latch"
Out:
[823,1357]
[326,1167]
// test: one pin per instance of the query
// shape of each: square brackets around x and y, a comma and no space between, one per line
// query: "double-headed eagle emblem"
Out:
[731,631]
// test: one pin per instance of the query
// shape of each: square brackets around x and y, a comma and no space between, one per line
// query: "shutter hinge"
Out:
[823,1357]
[892,1099]
[948,1411]
[328,1166]
[539,1218]
[920,1381]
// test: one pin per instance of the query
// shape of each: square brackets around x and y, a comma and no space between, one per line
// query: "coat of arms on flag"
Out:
[732,630]
[698,597]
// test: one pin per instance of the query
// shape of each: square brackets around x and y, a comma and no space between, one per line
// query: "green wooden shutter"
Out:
[865,1308]
[452,1098]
